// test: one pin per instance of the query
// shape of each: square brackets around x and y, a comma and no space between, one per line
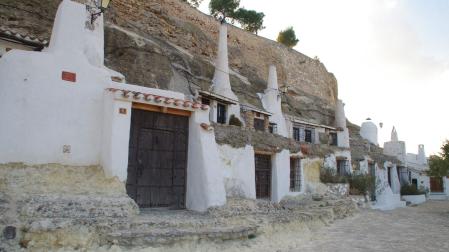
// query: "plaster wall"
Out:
[205,182]
[239,171]
[396,149]
[364,167]
[343,138]
[115,141]
[330,161]
[386,198]
[280,165]
[368,131]
[395,183]
[37,105]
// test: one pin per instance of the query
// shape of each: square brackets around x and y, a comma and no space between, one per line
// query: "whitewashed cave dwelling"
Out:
[163,145]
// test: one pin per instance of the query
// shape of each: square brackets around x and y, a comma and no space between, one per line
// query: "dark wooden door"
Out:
[263,176]
[436,184]
[157,164]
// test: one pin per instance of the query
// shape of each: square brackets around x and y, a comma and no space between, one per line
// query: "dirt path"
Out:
[420,228]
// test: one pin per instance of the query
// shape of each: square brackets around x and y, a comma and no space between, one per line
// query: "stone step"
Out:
[438,196]
[156,237]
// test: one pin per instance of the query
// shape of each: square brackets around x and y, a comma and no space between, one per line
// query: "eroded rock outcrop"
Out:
[170,45]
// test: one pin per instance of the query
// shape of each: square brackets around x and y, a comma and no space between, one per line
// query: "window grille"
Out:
[295,175]
[342,167]
[303,134]
[259,124]
[334,139]
[221,113]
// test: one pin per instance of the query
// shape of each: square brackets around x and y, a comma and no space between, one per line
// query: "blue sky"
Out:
[390,57]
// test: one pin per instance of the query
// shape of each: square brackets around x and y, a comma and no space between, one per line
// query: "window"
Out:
[303,134]
[273,128]
[295,175]
[342,167]
[334,139]
[297,134]
[259,124]
[308,135]
[221,113]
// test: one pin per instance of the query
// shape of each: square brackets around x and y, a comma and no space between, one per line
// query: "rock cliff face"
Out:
[170,45]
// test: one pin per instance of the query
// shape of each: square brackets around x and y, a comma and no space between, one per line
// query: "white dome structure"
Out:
[369,131]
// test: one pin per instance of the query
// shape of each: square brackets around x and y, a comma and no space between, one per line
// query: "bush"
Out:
[328,175]
[410,189]
[233,120]
[360,184]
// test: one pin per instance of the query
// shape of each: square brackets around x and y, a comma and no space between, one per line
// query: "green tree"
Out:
[250,20]
[288,37]
[194,3]
[223,8]
[439,164]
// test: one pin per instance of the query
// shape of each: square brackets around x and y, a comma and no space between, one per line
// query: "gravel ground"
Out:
[419,228]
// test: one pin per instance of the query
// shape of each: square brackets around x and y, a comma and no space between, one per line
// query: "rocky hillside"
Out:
[170,45]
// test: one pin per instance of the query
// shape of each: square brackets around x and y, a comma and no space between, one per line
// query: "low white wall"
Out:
[116,132]
[280,179]
[415,199]
[239,171]
[446,185]
[205,182]
[386,199]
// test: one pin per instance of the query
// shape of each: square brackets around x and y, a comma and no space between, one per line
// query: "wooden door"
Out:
[436,184]
[263,176]
[157,163]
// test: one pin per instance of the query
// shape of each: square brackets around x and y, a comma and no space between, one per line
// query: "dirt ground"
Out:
[419,228]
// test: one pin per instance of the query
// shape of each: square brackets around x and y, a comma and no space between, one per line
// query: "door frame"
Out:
[171,111]
[270,186]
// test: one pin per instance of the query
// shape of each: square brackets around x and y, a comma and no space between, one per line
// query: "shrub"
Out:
[410,189]
[361,184]
[233,120]
[328,175]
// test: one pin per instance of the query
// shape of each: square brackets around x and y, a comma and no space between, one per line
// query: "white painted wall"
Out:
[116,132]
[205,182]
[396,149]
[40,112]
[386,199]
[280,179]
[239,171]
[395,183]
[368,131]
[446,185]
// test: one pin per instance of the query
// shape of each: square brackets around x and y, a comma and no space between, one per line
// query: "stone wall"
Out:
[170,45]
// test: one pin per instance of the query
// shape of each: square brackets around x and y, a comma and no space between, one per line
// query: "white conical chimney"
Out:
[220,82]
[272,78]
[340,117]
[394,135]
[421,154]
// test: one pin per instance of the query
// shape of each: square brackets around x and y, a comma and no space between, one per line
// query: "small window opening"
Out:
[273,128]
[295,175]
[221,113]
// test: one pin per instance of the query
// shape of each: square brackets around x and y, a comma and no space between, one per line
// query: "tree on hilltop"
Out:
[288,37]
[250,20]
[222,9]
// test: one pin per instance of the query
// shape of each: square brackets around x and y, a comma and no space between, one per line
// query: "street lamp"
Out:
[100,5]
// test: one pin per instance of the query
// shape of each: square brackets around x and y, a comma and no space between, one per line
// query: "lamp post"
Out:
[101,6]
